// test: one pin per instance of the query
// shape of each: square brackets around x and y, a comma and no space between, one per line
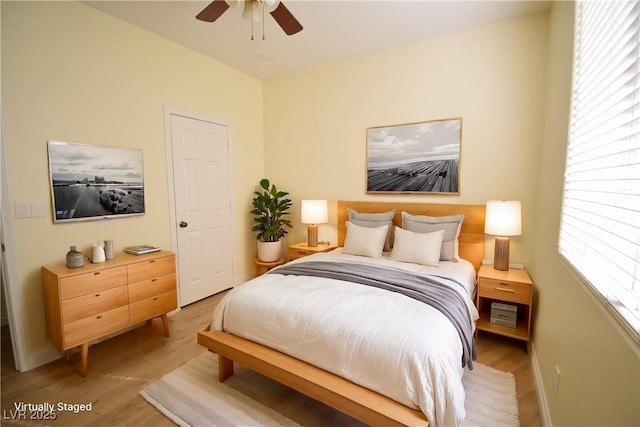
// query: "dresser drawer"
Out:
[90,328]
[152,307]
[152,287]
[151,268]
[90,283]
[504,290]
[88,305]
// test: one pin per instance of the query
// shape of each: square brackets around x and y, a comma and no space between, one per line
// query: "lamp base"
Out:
[501,254]
[312,235]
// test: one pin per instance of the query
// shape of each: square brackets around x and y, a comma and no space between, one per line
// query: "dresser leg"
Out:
[84,359]
[165,325]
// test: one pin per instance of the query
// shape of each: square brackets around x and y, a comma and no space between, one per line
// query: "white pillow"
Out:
[451,225]
[417,248]
[365,241]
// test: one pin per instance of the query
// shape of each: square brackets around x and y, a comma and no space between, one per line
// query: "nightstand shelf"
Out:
[300,250]
[513,287]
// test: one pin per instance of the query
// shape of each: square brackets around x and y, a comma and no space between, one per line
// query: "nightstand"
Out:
[300,250]
[512,287]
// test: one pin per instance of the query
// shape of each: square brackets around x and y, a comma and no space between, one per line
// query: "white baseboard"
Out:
[543,405]
[41,357]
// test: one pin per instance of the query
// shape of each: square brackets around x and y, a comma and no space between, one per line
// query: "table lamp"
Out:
[313,212]
[502,219]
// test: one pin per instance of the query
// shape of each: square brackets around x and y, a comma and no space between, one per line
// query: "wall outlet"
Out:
[23,209]
[38,208]
[517,266]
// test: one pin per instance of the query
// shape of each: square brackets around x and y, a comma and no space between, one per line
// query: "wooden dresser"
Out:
[90,302]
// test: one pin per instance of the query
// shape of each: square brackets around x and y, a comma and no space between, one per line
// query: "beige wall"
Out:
[510,83]
[72,73]
[599,364]
[493,77]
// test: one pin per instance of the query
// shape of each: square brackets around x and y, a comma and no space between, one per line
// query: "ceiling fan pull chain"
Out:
[251,21]
[262,21]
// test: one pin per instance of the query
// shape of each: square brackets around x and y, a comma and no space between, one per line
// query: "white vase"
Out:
[98,253]
[269,251]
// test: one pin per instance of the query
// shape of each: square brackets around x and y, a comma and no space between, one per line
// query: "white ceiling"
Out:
[334,30]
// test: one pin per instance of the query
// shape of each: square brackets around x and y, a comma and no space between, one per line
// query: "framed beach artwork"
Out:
[90,182]
[422,157]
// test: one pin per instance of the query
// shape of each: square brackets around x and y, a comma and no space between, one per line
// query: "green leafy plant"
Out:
[269,209]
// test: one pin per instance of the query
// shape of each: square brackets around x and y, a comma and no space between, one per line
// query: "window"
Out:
[600,223]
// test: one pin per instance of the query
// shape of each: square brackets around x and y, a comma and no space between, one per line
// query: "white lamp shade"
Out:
[503,218]
[314,212]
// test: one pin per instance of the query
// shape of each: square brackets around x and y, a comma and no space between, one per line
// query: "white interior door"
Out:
[200,152]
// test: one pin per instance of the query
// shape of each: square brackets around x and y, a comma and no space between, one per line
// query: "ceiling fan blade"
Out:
[213,11]
[286,20]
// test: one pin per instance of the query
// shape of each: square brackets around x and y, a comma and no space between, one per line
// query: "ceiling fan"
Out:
[253,9]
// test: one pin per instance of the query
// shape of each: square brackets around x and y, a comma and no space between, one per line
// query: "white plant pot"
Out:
[269,251]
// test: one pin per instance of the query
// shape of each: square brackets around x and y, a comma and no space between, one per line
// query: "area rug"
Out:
[192,396]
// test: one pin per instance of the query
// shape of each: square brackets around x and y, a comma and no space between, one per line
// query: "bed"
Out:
[314,346]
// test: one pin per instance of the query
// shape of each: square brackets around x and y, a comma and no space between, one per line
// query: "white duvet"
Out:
[384,341]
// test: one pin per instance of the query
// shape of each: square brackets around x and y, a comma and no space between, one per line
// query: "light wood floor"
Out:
[121,366]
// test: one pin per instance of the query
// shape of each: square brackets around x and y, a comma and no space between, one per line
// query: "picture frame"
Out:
[420,157]
[90,182]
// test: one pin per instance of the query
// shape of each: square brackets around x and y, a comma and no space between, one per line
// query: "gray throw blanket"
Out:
[430,290]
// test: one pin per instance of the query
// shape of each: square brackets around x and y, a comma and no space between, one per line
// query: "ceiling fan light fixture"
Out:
[270,5]
[252,11]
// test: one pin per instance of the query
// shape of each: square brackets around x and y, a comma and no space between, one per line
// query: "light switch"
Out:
[38,208]
[23,209]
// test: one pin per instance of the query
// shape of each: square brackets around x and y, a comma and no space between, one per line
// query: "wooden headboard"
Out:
[471,238]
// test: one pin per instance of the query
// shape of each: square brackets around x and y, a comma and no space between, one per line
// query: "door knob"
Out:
[183,224]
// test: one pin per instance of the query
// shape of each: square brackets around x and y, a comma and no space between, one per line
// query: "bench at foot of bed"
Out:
[356,401]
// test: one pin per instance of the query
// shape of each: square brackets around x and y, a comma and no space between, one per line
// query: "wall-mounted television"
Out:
[90,182]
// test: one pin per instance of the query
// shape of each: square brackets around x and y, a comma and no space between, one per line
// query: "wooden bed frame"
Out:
[356,401]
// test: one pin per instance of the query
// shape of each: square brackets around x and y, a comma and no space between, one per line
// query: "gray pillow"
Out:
[428,224]
[373,220]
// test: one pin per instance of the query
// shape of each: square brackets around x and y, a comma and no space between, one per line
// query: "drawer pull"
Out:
[506,290]
[302,253]
[153,280]
[155,298]
[152,261]
[99,317]
[96,273]
[97,295]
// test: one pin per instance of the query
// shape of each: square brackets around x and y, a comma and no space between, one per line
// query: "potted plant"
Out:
[270,207]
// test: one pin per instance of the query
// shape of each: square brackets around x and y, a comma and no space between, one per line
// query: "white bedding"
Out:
[387,342]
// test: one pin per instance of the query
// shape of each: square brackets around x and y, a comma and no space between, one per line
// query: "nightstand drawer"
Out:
[295,253]
[300,250]
[506,291]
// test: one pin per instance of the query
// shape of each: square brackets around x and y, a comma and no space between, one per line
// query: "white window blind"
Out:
[600,224]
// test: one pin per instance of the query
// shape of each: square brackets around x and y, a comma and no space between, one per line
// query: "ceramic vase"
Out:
[98,253]
[75,259]
[108,249]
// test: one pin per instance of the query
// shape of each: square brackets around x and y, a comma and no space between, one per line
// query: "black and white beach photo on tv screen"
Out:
[93,182]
